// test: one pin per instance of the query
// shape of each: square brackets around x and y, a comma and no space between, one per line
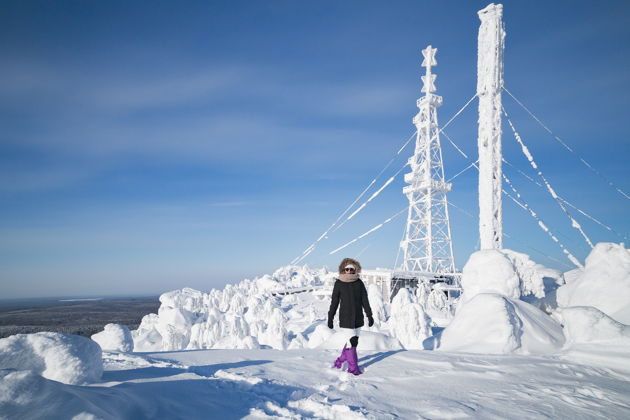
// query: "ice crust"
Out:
[66,358]
[114,337]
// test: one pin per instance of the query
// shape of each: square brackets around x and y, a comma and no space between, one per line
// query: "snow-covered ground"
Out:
[523,342]
[295,384]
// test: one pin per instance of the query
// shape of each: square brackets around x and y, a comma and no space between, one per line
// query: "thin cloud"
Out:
[231,204]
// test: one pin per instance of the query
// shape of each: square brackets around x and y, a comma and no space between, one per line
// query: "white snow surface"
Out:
[114,337]
[301,384]
[66,358]
[603,283]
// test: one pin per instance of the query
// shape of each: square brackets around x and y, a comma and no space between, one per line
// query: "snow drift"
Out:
[603,283]
[66,358]
[491,318]
[586,324]
[114,337]
[495,324]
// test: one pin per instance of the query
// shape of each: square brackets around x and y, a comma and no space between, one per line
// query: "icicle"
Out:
[529,156]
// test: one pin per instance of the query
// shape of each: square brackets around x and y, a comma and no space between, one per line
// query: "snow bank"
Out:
[496,324]
[66,358]
[585,324]
[604,283]
[594,338]
[114,337]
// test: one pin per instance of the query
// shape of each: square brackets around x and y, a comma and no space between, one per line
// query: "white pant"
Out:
[348,333]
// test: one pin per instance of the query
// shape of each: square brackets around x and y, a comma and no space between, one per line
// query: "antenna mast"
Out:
[489,86]
[427,246]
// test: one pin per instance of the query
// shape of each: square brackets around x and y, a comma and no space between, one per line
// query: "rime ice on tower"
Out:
[489,85]
[427,245]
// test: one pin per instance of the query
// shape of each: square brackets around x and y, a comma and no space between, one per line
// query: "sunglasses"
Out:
[349,270]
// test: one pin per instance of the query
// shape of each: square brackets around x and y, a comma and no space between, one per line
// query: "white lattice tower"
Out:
[427,245]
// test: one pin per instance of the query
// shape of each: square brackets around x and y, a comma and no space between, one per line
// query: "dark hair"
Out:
[351,261]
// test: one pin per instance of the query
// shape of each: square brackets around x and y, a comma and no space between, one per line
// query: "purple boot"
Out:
[342,358]
[353,362]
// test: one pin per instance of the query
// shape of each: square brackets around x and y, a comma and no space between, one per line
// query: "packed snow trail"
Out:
[300,384]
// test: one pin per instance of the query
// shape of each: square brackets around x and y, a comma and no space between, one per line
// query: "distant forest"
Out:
[76,317]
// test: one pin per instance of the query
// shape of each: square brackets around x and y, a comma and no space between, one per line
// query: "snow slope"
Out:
[300,384]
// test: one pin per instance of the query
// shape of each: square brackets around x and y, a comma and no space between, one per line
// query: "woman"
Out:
[349,292]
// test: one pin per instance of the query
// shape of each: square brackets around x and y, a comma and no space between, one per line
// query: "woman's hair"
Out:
[350,261]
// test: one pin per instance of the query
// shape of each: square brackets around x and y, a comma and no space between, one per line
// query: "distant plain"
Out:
[80,316]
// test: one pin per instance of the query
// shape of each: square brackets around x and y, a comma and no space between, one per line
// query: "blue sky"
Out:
[147,146]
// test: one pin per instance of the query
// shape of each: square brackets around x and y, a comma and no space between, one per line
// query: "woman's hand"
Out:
[370,321]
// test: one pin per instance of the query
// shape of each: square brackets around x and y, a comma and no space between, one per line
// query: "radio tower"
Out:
[427,245]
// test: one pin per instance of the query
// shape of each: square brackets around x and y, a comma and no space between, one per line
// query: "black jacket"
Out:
[353,298]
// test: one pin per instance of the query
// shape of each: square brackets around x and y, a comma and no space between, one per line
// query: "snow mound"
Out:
[506,272]
[496,324]
[114,337]
[604,283]
[66,358]
[585,324]
[408,322]
[489,271]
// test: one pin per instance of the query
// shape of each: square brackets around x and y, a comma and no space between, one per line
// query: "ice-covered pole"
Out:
[489,85]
